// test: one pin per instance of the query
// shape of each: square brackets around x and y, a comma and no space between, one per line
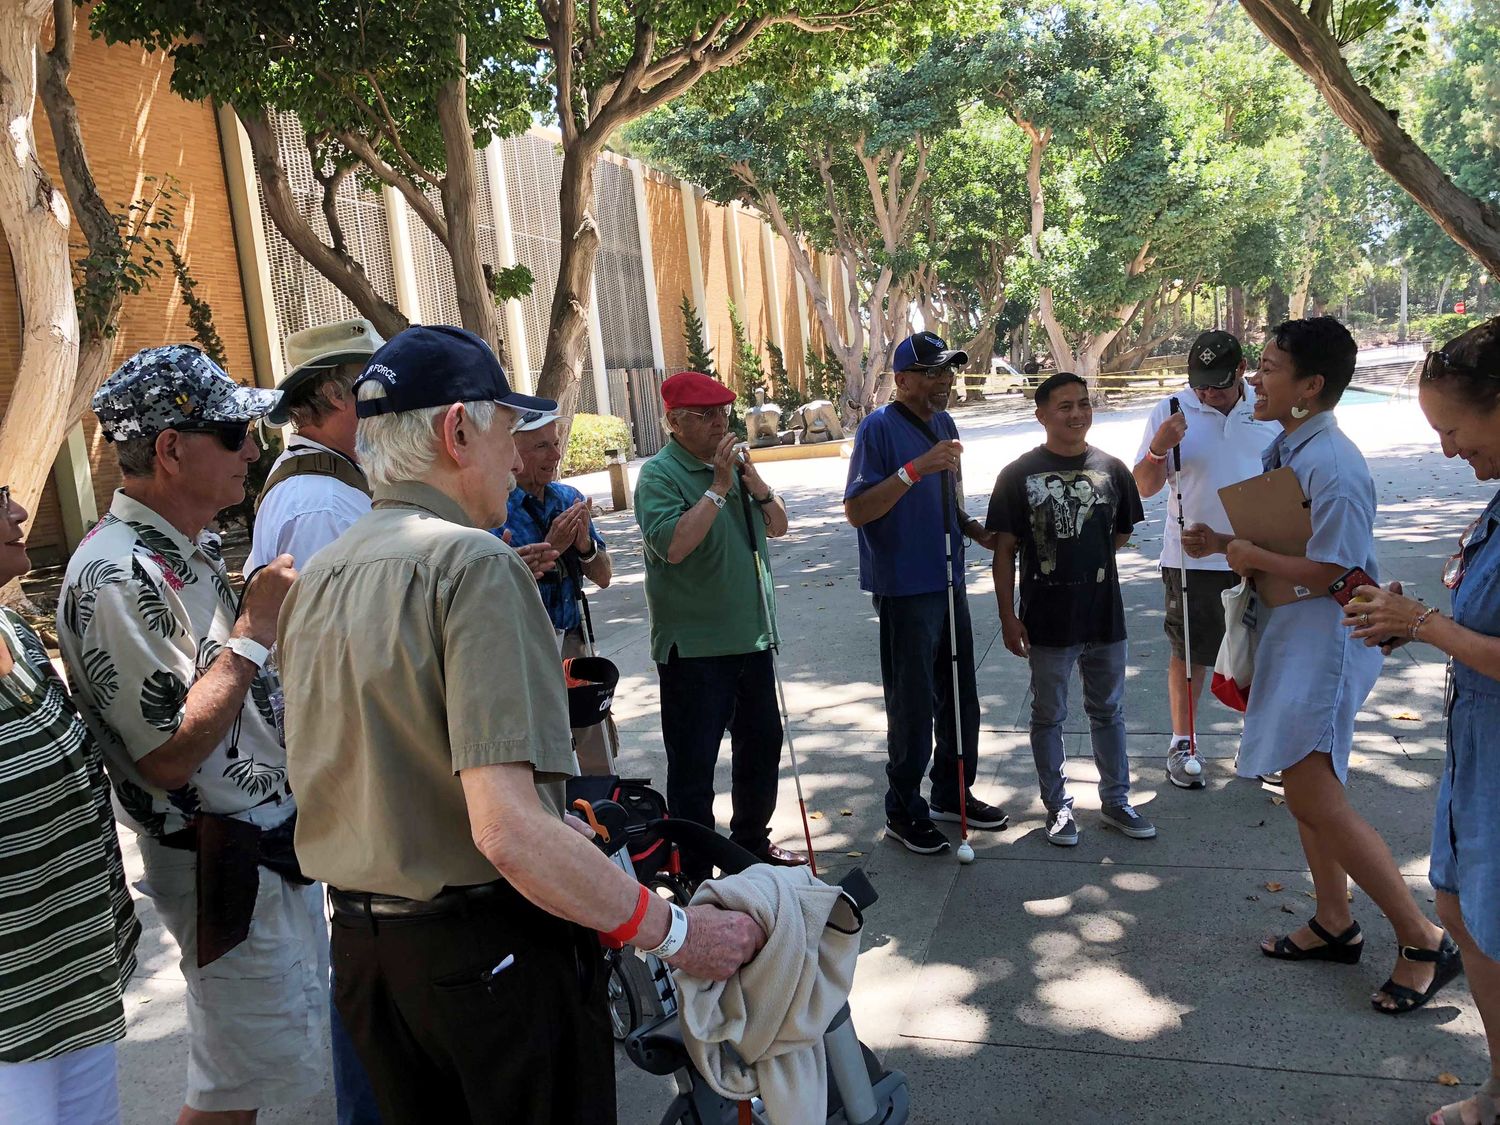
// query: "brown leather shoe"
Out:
[780,857]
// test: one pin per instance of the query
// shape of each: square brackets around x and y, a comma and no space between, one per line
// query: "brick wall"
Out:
[134,127]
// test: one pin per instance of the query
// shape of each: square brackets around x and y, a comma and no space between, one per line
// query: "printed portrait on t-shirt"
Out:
[1062,503]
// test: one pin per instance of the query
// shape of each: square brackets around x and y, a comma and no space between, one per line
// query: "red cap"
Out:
[694,389]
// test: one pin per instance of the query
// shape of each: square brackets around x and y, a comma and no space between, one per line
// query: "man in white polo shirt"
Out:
[1221,443]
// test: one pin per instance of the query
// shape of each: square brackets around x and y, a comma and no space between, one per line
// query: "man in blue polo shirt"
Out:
[542,509]
[905,455]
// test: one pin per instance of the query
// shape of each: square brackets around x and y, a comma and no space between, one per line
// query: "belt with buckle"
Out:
[450,900]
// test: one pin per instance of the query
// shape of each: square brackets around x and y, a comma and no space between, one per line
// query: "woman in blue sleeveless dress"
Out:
[1311,677]
[1460,394]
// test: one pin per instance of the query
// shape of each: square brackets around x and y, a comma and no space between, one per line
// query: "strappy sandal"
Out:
[1489,1108]
[1449,962]
[1336,948]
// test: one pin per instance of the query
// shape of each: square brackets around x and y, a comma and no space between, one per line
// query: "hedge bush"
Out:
[592,434]
[1444,327]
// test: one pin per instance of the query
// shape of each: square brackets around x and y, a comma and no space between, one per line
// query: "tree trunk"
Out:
[337,266]
[477,309]
[578,233]
[35,217]
[1237,311]
[1472,223]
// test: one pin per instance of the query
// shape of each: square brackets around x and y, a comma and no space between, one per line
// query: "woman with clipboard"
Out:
[1311,677]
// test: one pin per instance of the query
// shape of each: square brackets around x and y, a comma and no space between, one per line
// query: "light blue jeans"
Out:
[1102,668]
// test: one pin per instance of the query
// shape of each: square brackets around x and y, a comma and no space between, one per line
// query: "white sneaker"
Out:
[1062,829]
[1184,767]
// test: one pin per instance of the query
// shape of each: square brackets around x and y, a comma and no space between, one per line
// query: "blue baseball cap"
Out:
[437,365]
[925,351]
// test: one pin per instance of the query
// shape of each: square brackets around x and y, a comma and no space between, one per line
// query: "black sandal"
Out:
[1450,963]
[1336,948]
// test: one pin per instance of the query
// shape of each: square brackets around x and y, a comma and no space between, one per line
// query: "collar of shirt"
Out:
[125,508]
[1289,443]
[415,494]
[675,449]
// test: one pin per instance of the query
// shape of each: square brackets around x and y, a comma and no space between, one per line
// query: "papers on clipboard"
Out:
[1271,511]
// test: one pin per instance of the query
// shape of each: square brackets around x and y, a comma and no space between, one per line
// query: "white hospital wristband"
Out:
[676,935]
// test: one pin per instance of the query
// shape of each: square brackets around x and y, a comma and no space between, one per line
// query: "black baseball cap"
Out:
[1213,360]
[926,351]
[436,365]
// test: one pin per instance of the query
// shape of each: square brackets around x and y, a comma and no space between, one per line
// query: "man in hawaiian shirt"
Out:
[167,665]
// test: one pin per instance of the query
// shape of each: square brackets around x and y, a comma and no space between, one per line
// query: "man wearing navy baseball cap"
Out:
[428,741]
[904,472]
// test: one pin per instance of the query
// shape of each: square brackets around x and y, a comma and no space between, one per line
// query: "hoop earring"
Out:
[1300,412]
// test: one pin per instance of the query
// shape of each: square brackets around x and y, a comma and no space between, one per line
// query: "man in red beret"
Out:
[709,637]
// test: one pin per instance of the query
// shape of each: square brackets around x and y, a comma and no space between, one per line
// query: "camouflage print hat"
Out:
[173,386]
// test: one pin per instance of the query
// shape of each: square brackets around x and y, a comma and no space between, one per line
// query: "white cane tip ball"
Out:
[965,853]
[1192,767]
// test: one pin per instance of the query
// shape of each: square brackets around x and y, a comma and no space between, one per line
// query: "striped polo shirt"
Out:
[67,929]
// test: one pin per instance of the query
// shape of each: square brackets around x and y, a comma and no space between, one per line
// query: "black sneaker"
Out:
[980,815]
[920,836]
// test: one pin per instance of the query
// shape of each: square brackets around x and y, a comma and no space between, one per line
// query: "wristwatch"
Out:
[770,495]
[253,651]
[718,501]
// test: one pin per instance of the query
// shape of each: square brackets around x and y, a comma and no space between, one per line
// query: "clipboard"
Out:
[1271,511]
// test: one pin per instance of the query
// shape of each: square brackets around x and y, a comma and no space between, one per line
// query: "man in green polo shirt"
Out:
[709,637]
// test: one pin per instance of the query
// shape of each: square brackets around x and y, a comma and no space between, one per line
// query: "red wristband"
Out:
[626,930]
[911,471]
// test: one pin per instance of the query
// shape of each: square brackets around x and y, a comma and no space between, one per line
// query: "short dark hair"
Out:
[1319,345]
[1468,367]
[1056,383]
[1050,477]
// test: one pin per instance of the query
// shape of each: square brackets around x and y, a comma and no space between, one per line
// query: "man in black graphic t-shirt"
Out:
[1064,509]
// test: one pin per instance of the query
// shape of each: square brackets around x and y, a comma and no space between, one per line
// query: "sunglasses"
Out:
[1453,570]
[5,498]
[1438,362]
[231,434]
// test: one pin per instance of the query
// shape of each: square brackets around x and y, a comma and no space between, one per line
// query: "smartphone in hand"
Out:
[1348,584]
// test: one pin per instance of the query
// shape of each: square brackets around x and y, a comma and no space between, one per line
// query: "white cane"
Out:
[1192,767]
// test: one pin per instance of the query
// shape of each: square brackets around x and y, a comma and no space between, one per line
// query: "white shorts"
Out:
[258,1016]
[77,1088]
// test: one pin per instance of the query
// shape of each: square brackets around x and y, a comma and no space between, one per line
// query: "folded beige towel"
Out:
[761,1031]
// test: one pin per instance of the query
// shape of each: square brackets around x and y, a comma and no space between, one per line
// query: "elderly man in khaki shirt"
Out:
[428,741]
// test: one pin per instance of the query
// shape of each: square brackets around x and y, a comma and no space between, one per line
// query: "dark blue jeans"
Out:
[701,698]
[916,667]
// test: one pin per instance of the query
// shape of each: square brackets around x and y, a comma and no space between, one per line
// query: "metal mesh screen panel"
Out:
[303,296]
[619,271]
[433,267]
[645,410]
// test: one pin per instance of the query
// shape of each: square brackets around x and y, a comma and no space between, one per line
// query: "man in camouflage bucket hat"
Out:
[167,666]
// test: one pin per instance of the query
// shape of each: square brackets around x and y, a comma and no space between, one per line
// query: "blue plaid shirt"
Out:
[559,591]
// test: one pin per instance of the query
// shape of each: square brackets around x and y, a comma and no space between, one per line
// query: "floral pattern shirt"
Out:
[144,612]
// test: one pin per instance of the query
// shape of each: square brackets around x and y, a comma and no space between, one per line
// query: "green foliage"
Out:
[784,393]
[131,262]
[510,283]
[749,372]
[825,378]
[700,355]
[589,439]
[1444,326]
[200,313]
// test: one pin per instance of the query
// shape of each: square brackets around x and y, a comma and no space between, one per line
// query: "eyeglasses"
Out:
[1453,570]
[231,434]
[710,414]
[935,372]
[4,498]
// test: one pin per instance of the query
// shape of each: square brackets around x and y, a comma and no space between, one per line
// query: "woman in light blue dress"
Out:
[1460,394]
[1311,677]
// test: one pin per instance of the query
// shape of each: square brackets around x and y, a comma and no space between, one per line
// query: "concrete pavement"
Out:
[1118,979]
